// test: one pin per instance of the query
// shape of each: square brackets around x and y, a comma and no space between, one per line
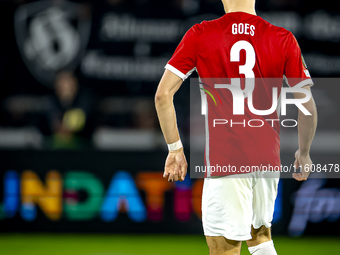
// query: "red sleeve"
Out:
[183,61]
[295,69]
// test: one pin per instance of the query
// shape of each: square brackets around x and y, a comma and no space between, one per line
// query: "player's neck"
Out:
[239,6]
[242,10]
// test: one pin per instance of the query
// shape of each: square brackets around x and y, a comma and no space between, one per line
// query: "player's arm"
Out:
[306,130]
[176,164]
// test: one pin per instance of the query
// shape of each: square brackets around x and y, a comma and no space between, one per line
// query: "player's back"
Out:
[241,45]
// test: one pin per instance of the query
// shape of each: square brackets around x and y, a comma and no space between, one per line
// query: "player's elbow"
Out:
[162,97]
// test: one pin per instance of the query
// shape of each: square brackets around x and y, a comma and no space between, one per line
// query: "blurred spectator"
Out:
[69,112]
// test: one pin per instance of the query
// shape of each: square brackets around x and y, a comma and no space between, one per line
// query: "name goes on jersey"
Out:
[243,28]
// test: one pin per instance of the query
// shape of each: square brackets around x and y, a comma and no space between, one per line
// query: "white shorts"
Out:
[231,204]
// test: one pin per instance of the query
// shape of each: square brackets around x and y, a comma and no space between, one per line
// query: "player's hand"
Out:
[305,163]
[175,166]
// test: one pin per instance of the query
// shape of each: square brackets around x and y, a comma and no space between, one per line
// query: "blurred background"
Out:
[80,146]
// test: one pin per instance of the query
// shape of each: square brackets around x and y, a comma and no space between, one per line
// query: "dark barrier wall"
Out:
[95,191]
[125,192]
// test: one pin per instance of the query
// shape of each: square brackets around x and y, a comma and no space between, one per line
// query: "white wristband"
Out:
[175,146]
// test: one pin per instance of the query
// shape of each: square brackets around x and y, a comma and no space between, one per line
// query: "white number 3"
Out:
[247,68]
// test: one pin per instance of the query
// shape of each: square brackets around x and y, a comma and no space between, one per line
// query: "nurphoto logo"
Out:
[241,96]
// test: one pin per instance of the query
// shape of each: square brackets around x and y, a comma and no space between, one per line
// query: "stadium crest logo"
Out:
[51,37]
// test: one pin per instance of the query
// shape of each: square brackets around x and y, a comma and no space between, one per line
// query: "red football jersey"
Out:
[240,45]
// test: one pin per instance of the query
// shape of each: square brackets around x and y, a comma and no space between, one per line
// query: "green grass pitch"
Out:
[101,244]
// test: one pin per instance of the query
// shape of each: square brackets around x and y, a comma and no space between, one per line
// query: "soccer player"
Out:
[238,45]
